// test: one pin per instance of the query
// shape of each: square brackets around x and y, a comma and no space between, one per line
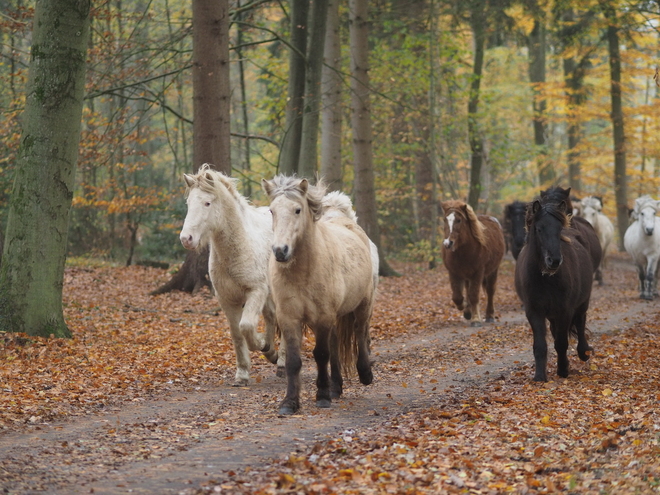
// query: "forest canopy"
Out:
[137,121]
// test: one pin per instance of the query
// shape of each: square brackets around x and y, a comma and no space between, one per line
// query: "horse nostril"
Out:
[281,253]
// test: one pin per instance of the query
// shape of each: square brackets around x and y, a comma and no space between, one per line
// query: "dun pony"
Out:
[322,276]
[472,251]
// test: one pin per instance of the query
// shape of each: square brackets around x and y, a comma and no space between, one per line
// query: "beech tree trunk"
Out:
[364,186]
[331,85]
[32,270]
[211,119]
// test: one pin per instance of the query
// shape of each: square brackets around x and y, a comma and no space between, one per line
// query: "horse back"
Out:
[586,235]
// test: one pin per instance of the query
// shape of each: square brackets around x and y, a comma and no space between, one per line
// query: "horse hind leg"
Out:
[490,283]
[362,320]
[336,379]
[580,323]
[471,312]
[322,357]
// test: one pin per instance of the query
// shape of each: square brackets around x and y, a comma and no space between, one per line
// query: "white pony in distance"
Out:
[642,242]
[591,211]
[240,237]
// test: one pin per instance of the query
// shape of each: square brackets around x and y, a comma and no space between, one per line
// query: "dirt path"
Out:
[174,444]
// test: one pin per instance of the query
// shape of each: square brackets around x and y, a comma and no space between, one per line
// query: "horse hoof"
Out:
[366,377]
[271,354]
[476,324]
[647,297]
[586,354]
[490,319]
[467,315]
[540,377]
[323,403]
[335,394]
[288,409]
[281,372]
[243,382]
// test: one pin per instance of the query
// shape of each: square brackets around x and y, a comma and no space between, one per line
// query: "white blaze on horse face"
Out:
[450,222]
[195,224]
[288,221]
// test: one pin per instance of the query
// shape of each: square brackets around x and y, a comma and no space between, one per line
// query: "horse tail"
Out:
[347,346]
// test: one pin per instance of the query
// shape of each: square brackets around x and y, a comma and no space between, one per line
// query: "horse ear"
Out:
[188,179]
[536,206]
[267,186]
[563,207]
[303,186]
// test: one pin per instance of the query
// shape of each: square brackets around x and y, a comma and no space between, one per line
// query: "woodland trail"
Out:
[179,442]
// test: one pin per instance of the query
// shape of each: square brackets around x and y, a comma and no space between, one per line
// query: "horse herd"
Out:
[304,262]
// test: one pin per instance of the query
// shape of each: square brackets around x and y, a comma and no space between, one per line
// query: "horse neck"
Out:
[232,233]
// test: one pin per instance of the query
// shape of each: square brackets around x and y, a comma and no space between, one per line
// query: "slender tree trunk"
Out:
[537,46]
[331,84]
[619,137]
[478,22]
[290,151]
[247,183]
[308,161]
[364,186]
[211,119]
[211,92]
[32,271]
[433,237]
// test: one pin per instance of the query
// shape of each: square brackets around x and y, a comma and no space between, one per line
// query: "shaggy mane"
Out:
[208,180]
[465,210]
[290,187]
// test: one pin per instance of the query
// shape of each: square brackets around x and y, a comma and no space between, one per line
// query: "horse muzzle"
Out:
[552,264]
[188,241]
[282,253]
[648,231]
[448,244]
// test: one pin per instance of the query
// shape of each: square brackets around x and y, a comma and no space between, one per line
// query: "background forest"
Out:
[525,85]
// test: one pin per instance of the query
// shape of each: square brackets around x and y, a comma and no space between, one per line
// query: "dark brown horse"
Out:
[588,237]
[472,252]
[553,278]
[514,226]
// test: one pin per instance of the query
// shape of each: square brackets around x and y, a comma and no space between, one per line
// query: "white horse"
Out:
[642,242]
[591,211]
[240,237]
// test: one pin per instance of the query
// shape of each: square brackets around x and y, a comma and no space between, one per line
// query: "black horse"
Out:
[553,279]
[514,226]
[588,237]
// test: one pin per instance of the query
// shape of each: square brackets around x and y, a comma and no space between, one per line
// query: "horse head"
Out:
[295,206]
[545,221]
[202,193]
[645,211]
[460,221]
[514,215]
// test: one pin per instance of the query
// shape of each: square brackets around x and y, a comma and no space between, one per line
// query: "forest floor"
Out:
[140,400]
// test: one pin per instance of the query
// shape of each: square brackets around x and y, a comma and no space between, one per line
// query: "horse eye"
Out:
[208,203]
[297,211]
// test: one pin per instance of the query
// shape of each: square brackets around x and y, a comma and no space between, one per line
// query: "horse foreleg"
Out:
[292,333]
[457,285]
[490,283]
[254,305]
[363,339]
[649,279]
[473,289]
[562,329]
[537,322]
[243,363]
[322,357]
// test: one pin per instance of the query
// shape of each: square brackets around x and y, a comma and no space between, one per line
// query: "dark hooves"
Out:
[366,377]
[323,403]
[335,393]
[467,315]
[490,319]
[586,354]
[288,410]
[281,372]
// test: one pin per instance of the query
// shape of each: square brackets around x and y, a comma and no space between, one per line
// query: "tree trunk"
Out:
[364,188]
[308,161]
[211,124]
[536,43]
[331,84]
[478,23]
[619,137]
[290,151]
[211,91]
[32,272]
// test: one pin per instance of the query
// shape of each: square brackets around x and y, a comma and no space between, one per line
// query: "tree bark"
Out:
[331,84]
[618,131]
[308,161]
[364,187]
[478,23]
[32,271]
[211,119]
[537,45]
[290,150]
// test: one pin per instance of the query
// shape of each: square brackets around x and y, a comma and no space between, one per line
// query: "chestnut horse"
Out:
[472,251]
[553,279]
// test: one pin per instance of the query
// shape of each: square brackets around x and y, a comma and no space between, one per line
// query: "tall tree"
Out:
[331,84]
[478,21]
[211,119]
[290,151]
[536,42]
[308,160]
[364,186]
[618,131]
[32,271]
